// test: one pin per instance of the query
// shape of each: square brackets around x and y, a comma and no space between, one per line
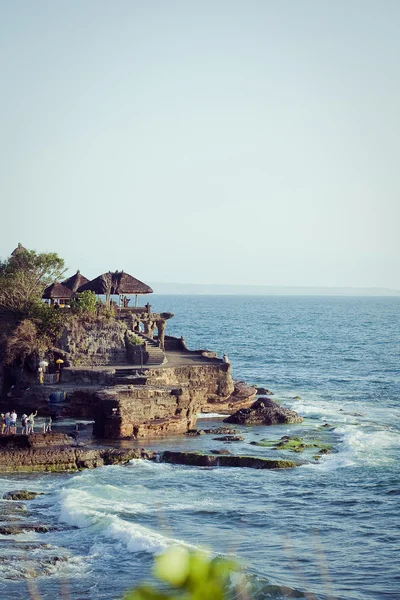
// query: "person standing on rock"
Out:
[13,422]
[23,423]
[47,424]
[7,422]
[30,423]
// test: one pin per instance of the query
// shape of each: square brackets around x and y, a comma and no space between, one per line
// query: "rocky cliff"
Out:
[167,402]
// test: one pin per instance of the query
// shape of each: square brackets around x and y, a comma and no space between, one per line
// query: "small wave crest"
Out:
[359,447]
[77,511]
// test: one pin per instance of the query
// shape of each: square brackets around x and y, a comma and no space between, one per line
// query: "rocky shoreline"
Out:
[62,452]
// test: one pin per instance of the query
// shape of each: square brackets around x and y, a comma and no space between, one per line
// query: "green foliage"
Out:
[84,303]
[105,310]
[134,339]
[49,320]
[24,277]
[187,576]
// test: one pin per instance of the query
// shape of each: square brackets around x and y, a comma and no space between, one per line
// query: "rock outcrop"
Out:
[167,402]
[20,495]
[242,396]
[58,452]
[209,460]
[264,411]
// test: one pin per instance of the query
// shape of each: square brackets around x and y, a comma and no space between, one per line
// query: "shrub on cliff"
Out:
[24,342]
[84,303]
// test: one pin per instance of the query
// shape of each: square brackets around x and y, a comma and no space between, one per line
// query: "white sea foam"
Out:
[77,510]
[210,416]
[361,447]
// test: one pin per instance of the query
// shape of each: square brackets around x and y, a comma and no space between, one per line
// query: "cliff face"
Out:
[94,342]
[168,402]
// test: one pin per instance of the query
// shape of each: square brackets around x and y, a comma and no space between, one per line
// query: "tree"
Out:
[24,342]
[24,277]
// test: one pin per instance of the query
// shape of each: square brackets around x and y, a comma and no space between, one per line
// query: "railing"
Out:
[132,310]
[51,378]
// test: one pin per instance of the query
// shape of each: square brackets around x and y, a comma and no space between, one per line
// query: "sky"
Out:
[217,141]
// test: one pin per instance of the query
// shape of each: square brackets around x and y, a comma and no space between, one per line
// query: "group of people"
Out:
[8,423]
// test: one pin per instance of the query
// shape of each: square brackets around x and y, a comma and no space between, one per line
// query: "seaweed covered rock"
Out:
[264,411]
[206,460]
[293,444]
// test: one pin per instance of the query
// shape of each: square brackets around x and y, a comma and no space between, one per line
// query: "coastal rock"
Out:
[222,431]
[221,451]
[66,458]
[20,495]
[264,411]
[229,438]
[293,444]
[264,392]
[207,460]
[16,529]
[242,396]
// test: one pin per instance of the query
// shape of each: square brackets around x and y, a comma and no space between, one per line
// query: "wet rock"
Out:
[264,392]
[20,495]
[206,460]
[264,412]
[17,529]
[297,398]
[222,451]
[194,432]
[229,438]
[222,430]
[294,444]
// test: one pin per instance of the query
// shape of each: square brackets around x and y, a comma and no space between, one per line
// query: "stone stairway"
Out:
[129,376]
[156,354]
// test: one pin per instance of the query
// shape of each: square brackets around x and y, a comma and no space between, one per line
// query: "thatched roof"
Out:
[116,283]
[18,250]
[57,291]
[75,282]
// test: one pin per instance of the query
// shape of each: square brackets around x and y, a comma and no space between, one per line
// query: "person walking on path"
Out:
[2,423]
[31,423]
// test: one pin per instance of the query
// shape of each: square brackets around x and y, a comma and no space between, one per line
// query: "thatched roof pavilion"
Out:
[18,250]
[57,291]
[118,283]
[75,282]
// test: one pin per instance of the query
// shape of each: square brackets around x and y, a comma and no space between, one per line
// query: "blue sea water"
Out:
[326,530]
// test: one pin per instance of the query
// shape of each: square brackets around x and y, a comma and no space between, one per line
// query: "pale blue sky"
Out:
[252,142]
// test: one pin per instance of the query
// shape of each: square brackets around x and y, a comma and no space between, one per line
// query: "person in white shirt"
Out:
[13,422]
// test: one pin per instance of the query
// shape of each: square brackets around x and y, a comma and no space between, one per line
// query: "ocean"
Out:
[325,530]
